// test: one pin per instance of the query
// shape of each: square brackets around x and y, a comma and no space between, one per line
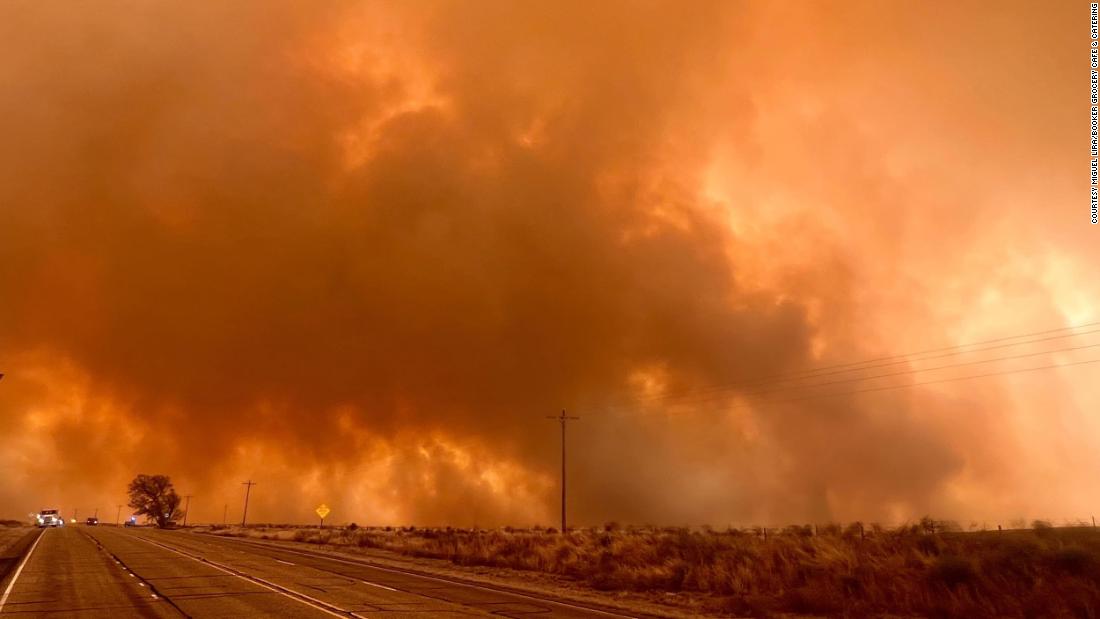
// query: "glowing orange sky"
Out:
[359,253]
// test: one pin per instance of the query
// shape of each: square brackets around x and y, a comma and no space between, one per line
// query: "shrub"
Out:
[1015,559]
[799,530]
[948,526]
[894,572]
[854,530]
[929,544]
[1042,528]
[952,571]
[815,598]
[1074,560]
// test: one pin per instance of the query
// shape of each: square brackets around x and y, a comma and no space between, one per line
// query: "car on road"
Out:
[50,518]
[91,522]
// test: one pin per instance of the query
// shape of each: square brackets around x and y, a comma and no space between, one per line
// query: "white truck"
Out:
[50,518]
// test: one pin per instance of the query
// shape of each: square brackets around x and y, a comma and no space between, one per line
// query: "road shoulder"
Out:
[14,543]
[544,586]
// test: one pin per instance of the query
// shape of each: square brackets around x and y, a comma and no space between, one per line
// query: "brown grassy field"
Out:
[916,570]
[9,536]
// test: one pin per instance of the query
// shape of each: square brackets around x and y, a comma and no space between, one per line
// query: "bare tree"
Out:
[154,497]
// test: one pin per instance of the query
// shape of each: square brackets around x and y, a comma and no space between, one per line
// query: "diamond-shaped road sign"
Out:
[323,510]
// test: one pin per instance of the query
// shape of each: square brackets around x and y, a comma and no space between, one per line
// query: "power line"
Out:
[952,379]
[820,372]
[931,369]
[620,411]
[931,350]
[950,354]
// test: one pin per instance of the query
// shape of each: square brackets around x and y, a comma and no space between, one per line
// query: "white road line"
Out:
[19,570]
[284,562]
[448,581]
[297,597]
[374,584]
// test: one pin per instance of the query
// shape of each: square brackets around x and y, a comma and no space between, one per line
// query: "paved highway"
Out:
[111,572]
[65,574]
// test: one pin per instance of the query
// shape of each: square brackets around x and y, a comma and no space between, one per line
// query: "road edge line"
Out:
[157,595]
[19,570]
[301,598]
[611,612]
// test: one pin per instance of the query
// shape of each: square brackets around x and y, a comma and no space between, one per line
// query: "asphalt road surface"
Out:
[80,571]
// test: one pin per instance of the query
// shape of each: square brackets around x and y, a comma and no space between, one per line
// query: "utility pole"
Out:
[225,513]
[96,514]
[247,491]
[186,508]
[562,418]
[118,515]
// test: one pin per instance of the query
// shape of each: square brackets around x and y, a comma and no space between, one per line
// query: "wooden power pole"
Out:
[247,491]
[562,419]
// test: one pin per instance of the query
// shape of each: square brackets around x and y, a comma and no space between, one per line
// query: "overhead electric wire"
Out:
[948,354]
[710,397]
[723,391]
[620,411]
[919,370]
[931,350]
[951,379]
[906,358]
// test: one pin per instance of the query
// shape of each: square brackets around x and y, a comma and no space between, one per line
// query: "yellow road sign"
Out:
[322,510]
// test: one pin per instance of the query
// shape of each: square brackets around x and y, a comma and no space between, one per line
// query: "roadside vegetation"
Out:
[921,569]
[154,497]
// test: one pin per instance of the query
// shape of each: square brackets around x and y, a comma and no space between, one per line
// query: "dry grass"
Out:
[10,543]
[1041,572]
